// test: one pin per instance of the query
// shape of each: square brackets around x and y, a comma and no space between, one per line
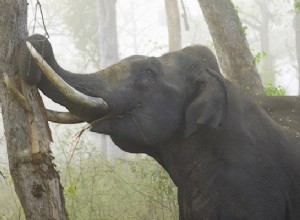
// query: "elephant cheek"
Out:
[102,128]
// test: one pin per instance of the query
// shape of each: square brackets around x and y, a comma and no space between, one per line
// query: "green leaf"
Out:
[244,29]
[297,5]
[257,58]
[272,90]
[70,190]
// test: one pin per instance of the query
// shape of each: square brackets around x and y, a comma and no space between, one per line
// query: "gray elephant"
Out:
[227,156]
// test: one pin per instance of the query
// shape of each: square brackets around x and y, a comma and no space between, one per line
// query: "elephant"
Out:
[227,156]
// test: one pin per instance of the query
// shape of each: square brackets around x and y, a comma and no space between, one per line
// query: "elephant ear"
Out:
[209,102]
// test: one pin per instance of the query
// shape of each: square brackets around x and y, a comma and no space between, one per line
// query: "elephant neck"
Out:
[196,148]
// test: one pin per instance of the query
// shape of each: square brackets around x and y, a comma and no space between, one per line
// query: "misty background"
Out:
[75,30]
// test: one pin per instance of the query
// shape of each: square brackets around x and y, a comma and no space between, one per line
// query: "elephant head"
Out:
[150,99]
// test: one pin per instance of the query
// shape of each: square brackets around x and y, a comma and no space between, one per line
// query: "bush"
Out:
[272,90]
[96,188]
[10,207]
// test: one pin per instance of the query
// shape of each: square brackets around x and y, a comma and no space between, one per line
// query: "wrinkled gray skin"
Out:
[227,157]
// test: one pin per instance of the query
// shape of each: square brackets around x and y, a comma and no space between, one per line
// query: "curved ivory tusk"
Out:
[53,116]
[63,117]
[71,93]
[21,99]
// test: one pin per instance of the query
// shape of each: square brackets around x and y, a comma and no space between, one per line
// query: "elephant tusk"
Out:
[53,116]
[72,94]
[63,117]
[21,99]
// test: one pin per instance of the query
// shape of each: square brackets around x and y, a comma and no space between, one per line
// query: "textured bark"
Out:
[231,45]
[27,134]
[173,20]
[107,34]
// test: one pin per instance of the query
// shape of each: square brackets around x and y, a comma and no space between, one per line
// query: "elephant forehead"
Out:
[116,73]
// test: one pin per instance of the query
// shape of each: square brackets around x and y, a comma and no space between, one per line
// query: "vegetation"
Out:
[258,56]
[297,5]
[272,90]
[97,188]
[10,207]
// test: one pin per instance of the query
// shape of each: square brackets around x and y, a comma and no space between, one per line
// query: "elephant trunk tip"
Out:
[75,96]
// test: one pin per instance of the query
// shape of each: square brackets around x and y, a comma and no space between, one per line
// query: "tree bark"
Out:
[27,133]
[173,20]
[231,45]
[107,33]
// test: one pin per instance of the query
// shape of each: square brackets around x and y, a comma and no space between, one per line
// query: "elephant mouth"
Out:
[121,113]
[110,124]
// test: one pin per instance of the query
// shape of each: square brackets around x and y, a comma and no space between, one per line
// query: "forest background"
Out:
[100,181]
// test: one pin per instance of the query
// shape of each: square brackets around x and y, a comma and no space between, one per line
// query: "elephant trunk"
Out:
[70,90]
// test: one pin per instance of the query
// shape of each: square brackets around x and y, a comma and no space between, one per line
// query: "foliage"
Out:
[236,10]
[244,29]
[297,5]
[272,90]
[101,189]
[258,57]
[97,188]
[10,207]
[81,23]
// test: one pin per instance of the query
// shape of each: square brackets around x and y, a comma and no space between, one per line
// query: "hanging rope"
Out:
[38,7]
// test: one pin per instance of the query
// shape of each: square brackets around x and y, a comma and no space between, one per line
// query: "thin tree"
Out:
[107,32]
[263,26]
[267,62]
[297,34]
[107,39]
[231,45]
[95,36]
[27,134]
[173,20]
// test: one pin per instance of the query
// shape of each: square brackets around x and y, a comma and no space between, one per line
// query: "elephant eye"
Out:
[146,77]
[150,72]
[149,76]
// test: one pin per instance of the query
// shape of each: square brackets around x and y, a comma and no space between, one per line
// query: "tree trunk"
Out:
[267,62]
[107,33]
[108,44]
[231,45]
[27,134]
[297,34]
[173,20]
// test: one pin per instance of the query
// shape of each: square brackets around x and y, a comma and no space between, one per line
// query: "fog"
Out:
[72,26]
[142,29]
